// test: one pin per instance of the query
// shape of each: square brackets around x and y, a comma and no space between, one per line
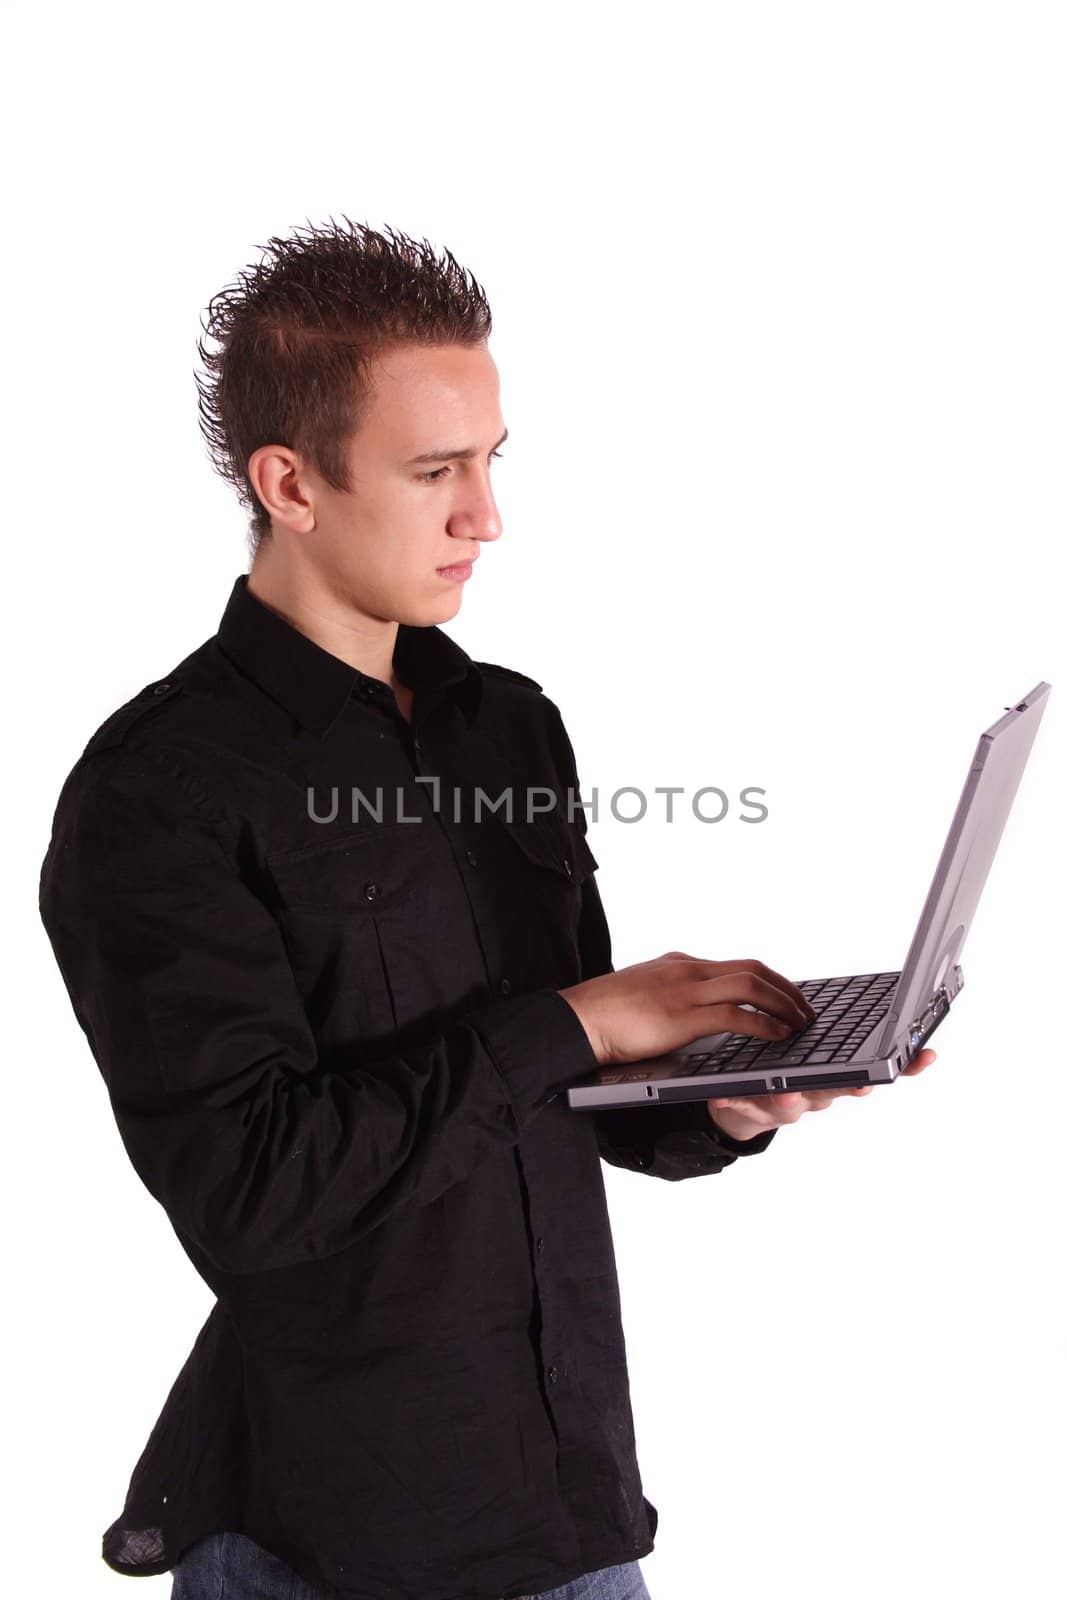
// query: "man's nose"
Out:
[478,516]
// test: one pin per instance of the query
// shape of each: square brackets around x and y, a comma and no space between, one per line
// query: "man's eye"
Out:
[439,472]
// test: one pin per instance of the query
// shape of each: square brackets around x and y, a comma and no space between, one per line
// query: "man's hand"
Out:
[657,1006]
[745,1117]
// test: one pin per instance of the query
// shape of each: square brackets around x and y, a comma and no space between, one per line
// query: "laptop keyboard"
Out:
[847,1009]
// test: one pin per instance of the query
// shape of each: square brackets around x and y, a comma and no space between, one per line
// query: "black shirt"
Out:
[335,1049]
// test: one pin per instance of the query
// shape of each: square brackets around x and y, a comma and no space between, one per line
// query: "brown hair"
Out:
[297,332]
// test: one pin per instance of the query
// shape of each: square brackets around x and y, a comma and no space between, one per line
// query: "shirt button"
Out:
[370,891]
[553,1374]
[540,1247]
[505,986]
[161,688]
[472,858]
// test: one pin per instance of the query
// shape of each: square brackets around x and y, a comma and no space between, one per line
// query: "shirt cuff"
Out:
[538,1046]
[693,1116]
[741,1147]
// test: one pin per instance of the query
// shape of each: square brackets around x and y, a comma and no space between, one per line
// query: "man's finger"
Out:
[749,989]
[797,995]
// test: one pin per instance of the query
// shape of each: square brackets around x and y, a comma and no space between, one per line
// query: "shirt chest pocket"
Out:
[378,871]
[355,913]
[545,863]
[555,846]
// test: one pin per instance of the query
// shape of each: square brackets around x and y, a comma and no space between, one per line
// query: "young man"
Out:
[335,1004]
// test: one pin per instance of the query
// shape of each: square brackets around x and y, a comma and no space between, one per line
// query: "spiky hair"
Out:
[295,335]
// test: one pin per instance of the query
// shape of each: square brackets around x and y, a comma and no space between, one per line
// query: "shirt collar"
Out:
[313,684]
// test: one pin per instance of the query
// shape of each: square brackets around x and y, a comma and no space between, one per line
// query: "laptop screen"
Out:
[965,861]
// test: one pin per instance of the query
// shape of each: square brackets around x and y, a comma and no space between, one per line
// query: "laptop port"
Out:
[817,1081]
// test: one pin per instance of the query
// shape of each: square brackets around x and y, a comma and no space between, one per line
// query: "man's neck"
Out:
[366,643]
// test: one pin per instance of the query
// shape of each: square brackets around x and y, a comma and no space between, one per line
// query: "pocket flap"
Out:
[553,842]
[368,871]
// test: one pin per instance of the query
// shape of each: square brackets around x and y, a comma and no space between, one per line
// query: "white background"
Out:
[780,319]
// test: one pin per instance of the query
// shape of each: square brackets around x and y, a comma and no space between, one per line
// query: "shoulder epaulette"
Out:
[149,699]
[509,672]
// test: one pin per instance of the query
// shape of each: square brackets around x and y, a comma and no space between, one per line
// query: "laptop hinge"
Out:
[927,1021]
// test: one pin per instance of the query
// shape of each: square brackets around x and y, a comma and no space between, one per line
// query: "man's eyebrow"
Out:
[451,455]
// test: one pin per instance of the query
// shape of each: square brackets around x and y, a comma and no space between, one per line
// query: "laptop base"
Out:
[832,1052]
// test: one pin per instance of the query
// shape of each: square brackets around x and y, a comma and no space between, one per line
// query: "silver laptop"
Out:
[870,1025]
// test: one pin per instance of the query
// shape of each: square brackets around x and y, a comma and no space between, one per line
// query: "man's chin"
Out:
[428,611]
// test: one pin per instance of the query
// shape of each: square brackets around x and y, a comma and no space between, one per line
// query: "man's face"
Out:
[381,547]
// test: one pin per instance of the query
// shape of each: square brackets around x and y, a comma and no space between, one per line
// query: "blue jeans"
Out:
[233,1565]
